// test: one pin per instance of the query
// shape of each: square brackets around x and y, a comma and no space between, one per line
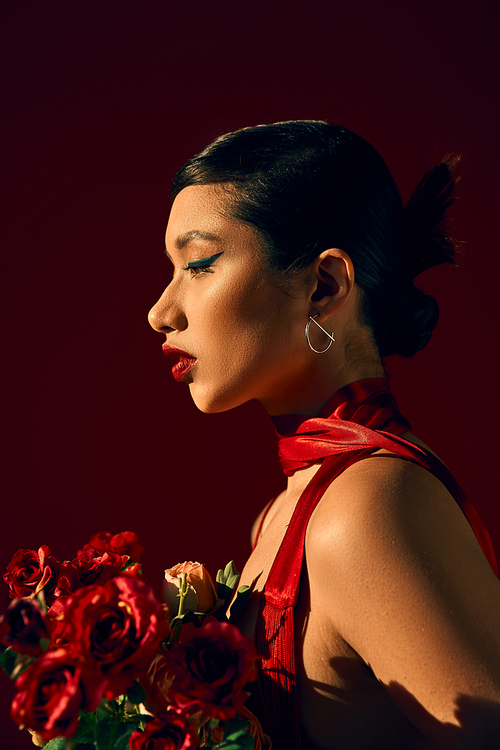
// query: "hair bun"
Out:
[410,324]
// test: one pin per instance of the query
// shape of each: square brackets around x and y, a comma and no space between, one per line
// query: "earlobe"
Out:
[334,281]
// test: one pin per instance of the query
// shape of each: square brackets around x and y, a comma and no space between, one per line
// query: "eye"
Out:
[204,265]
[197,270]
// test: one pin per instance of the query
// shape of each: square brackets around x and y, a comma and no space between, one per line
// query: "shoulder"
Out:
[396,570]
[389,547]
[386,501]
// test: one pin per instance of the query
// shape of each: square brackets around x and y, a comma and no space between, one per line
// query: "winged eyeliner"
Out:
[203,262]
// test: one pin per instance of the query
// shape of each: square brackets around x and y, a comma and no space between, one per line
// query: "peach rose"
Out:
[201,596]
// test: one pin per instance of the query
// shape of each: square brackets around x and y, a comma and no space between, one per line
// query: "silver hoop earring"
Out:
[330,336]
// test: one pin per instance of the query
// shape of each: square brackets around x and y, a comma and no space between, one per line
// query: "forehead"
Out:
[201,212]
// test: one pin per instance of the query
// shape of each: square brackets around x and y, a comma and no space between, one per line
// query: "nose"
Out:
[161,317]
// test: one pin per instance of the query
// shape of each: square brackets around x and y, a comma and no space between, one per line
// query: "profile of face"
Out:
[232,332]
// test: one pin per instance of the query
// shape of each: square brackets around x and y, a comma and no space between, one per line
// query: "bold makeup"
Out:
[183,361]
[203,262]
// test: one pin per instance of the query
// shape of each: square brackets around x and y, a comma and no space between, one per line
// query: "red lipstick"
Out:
[183,361]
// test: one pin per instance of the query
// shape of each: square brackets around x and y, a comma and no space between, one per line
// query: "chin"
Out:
[214,403]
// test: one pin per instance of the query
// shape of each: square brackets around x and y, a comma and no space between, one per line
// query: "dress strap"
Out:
[282,583]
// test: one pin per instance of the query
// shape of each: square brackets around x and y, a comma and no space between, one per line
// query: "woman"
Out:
[375,609]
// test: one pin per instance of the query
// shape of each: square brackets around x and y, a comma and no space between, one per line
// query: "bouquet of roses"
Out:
[99,662]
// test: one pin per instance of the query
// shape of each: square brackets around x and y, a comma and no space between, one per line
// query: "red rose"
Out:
[212,664]
[86,569]
[22,627]
[99,542]
[119,626]
[125,543]
[30,571]
[51,692]
[168,731]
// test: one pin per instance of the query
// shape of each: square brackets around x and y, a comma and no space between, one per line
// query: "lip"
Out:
[183,360]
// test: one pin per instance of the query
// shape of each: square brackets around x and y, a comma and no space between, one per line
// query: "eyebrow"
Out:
[196,234]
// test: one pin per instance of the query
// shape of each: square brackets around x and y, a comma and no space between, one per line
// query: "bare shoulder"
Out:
[396,570]
[391,506]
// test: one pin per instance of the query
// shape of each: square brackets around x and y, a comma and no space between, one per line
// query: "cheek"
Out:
[248,328]
[228,310]
[248,337]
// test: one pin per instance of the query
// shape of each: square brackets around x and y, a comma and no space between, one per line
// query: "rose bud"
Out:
[201,596]
[22,627]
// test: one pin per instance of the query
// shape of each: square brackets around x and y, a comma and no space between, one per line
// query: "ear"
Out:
[334,278]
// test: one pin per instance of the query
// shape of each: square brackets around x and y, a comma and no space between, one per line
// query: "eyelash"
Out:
[197,270]
[198,267]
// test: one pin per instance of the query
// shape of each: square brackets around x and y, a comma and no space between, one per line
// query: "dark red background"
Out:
[101,103]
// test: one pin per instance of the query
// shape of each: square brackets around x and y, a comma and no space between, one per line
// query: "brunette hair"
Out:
[306,186]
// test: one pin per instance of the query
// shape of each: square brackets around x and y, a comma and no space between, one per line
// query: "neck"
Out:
[309,394]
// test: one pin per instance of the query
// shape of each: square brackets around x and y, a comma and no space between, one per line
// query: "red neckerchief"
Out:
[345,423]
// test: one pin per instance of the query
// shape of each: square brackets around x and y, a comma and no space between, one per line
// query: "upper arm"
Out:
[397,570]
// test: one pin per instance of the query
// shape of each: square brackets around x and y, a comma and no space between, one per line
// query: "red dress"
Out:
[357,421]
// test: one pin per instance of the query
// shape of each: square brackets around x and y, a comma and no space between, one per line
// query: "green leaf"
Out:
[243,742]
[58,743]
[136,694]
[86,727]
[102,711]
[105,732]
[235,727]
[121,742]
[8,660]
[226,581]
[236,736]
[229,576]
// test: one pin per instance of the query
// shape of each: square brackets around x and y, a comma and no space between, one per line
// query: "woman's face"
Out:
[232,333]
